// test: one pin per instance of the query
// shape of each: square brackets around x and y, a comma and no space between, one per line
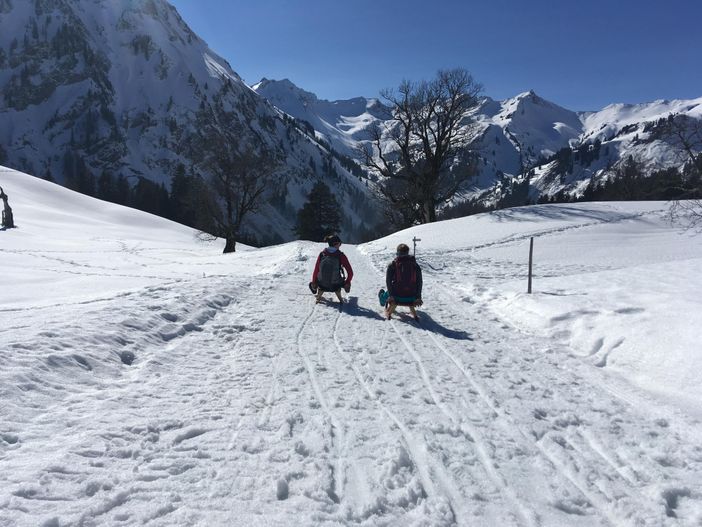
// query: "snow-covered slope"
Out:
[125,88]
[149,380]
[611,119]
[512,135]
[342,124]
[533,126]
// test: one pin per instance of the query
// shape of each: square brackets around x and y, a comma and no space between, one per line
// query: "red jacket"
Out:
[342,260]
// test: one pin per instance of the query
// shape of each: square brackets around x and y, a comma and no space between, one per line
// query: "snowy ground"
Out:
[147,379]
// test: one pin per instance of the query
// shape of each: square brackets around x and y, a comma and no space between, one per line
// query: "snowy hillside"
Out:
[149,380]
[342,124]
[124,88]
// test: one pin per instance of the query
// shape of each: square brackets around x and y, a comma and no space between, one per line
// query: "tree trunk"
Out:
[230,246]
[7,220]
[429,212]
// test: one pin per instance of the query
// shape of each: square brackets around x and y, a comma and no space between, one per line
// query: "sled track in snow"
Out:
[482,394]
[528,516]
[337,431]
[577,451]
[567,466]
[424,462]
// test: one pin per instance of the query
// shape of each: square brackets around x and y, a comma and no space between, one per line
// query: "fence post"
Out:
[531,254]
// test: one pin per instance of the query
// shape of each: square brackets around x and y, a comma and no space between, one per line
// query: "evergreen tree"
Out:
[122,190]
[319,216]
[150,197]
[181,206]
[106,189]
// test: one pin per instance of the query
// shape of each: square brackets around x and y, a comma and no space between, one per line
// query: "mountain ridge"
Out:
[522,133]
[125,87]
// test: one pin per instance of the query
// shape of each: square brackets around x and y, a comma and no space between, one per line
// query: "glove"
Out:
[347,286]
[313,287]
[418,302]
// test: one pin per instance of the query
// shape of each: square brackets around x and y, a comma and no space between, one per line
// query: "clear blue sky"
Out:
[581,54]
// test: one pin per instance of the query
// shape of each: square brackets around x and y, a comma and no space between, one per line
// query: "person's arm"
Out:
[390,277]
[347,265]
[316,269]
[419,281]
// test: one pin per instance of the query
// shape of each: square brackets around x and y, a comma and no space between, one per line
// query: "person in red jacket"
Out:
[332,270]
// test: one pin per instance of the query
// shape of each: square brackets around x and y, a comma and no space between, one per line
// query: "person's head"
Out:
[333,240]
[402,249]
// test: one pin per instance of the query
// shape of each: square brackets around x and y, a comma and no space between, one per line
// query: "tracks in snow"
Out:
[340,417]
[496,403]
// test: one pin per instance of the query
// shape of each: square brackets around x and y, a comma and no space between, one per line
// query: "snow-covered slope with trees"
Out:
[123,89]
[342,123]
[565,149]
[148,379]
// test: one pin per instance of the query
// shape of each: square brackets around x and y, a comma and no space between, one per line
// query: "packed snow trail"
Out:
[149,381]
[270,407]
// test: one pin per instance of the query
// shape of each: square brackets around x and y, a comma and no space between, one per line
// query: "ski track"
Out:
[354,420]
[569,467]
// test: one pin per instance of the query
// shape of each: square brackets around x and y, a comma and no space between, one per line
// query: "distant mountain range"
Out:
[125,87]
[512,137]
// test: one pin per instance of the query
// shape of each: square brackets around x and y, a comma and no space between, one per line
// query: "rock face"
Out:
[125,87]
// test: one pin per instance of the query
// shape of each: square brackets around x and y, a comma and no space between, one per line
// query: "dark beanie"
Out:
[332,240]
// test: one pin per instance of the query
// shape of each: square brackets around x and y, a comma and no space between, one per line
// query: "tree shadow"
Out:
[352,308]
[561,212]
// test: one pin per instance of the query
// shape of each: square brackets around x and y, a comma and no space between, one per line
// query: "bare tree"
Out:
[8,221]
[236,187]
[685,134]
[686,214]
[426,160]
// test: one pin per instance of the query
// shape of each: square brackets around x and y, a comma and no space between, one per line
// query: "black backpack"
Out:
[405,276]
[330,276]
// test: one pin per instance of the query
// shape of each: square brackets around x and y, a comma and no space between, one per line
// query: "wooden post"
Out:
[531,255]
[414,246]
[8,221]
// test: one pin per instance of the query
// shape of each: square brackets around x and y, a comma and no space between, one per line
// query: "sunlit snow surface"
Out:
[146,379]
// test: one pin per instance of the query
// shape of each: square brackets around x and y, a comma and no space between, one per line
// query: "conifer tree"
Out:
[320,214]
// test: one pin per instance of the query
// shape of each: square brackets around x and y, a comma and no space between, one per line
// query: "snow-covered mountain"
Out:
[147,379]
[513,136]
[125,87]
[342,123]
[612,136]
